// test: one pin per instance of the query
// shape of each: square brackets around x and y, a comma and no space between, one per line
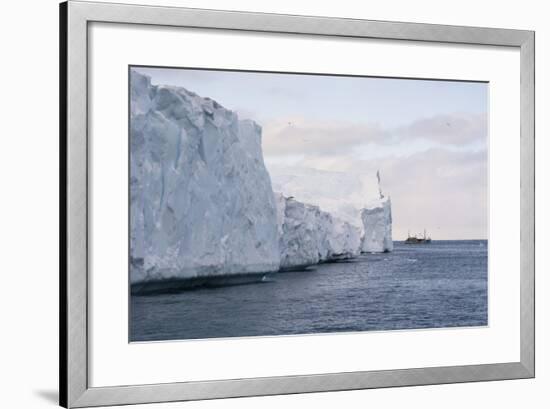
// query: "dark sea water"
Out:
[442,284]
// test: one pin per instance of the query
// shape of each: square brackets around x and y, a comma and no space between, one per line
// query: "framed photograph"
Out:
[258,204]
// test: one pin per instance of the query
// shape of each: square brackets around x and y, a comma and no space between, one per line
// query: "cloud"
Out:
[441,190]
[295,136]
[449,129]
[298,136]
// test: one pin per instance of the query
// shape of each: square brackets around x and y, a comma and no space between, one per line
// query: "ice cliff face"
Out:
[345,239]
[352,198]
[308,235]
[201,198]
[377,228]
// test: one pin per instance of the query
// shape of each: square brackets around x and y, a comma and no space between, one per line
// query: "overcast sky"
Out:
[427,138]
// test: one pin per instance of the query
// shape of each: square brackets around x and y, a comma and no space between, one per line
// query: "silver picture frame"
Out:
[75,390]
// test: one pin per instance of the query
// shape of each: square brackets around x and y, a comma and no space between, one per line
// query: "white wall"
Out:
[28,205]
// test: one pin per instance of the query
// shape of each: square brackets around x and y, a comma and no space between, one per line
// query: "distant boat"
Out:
[418,240]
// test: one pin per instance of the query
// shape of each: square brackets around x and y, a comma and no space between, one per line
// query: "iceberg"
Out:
[341,194]
[308,235]
[354,198]
[201,201]
[377,228]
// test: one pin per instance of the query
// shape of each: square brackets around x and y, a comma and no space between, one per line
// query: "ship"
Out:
[418,240]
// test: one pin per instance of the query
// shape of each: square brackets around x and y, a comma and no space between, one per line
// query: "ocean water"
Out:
[437,285]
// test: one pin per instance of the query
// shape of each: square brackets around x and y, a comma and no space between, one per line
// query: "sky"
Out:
[428,139]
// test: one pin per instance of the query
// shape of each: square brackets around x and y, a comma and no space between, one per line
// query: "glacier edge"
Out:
[203,203]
